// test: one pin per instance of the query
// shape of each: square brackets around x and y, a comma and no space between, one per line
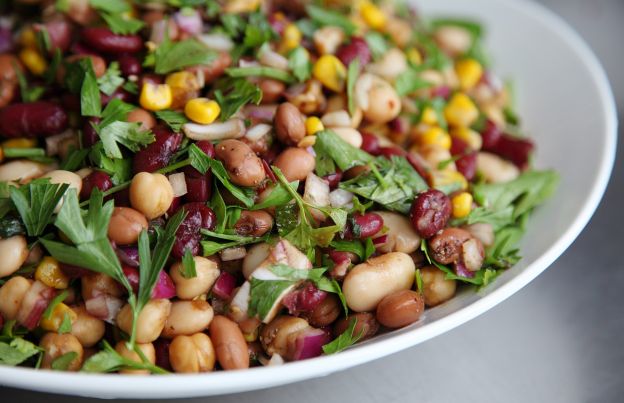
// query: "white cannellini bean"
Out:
[22,171]
[338,118]
[369,282]
[349,135]
[340,198]
[390,66]
[495,169]
[401,234]
[232,129]
[269,57]
[14,251]
[454,40]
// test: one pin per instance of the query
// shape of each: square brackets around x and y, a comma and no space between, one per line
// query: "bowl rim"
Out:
[175,385]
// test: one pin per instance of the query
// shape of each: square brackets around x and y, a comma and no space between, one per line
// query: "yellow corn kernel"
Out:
[469,72]
[182,79]
[155,97]
[461,111]
[429,117]
[28,39]
[20,143]
[291,38]
[54,321]
[330,71]
[414,57]
[49,273]
[313,125]
[462,204]
[202,110]
[448,179]
[307,141]
[469,136]
[241,6]
[436,136]
[372,15]
[33,61]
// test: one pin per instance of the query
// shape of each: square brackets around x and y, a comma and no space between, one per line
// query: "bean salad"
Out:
[198,185]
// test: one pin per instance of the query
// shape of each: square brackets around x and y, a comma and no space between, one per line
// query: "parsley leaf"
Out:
[171,56]
[122,25]
[264,293]
[260,71]
[377,44]
[346,339]
[16,350]
[173,119]
[115,110]
[90,102]
[299,63]
[410,81]
[109,360]
[234,93]
[111,80]
[62,362]
[36,202]
[324,17]
[352,76]
[279,196]
[28,94]
[125,133]
[119,169]
[258,31]
[188,265]
[342,153]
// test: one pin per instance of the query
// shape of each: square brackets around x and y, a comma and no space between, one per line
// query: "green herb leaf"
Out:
[36,202]
[352,76]
[75,158]
[108,360]
[28,94]
[232,94]
[233,24]
[474,28]
[125,133]
[342,153]
[278,197]
[47,314]
[121,24]
[62,362]
[260,71]
[324,17]
[171,56]
[245,195]
[90,103]
[111,80]
[116,110]
[346,339]
[377,43]
[66,324]
[290,273]
[264,294]
[173,119]
[419,281]
[11,226]
[258,31]
[409,82]
[120,170]
[299,63]
[111,6]
[17,351]
[188,265]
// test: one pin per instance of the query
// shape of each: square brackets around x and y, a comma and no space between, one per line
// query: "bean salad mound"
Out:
[198,185]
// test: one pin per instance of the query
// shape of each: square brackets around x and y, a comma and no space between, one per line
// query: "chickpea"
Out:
[55,345]
[94,284]
[229,342]
[325,313]
[369,282]
[400,309]
[21,171]
[189,288]
[365,325]
[289,124]
[151,194]
[188,317]
[436,288]
[378,100]
[11,295]
[192,354]
[14,251]
[253,223]
[278,337]
[495,169]
[401,236]
[254,257]
[125,225]
[148,351]
[295,163]
[87,329]
[151,320]
[143,117]
[242,164]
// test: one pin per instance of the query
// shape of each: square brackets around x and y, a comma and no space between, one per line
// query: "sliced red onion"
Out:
[224,286]
[74,271]
[128,255]
[309,343]
[462,271]
[188,21]
[269,57]
[104,307]
[33,305]
[164,288]
[442,92]
[161,347]
[6,40]
[132,274]
[264,113]
[232,129]
[258,131]
[178,184]
[380,240]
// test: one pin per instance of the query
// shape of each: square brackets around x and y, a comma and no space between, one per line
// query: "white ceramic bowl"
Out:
[568,108]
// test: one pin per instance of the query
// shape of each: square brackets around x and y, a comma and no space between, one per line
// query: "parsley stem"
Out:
[11,152]
[260,71]
[110,191]
[174,167]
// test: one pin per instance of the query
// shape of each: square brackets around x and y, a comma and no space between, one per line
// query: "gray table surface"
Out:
[557,340]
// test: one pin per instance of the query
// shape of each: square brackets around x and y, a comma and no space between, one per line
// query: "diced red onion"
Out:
[178,184]
[128,255]
[234,253]
[264,113]
[232,129]
[189,21]
[164,288]
[380,240]
[316,192]
[340,198]
[309,343]
[104,307]
[462,271]
[442,92]
[6,40]
[269,57]
[132,274]
[33,305]
[224,286]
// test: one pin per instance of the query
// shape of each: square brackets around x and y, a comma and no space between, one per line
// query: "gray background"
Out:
[557,340]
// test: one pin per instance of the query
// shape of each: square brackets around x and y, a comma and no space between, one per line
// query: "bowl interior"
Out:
[565,104]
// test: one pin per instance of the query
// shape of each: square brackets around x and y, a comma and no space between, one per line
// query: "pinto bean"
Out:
[295,163]
[325,313]
[243,166]
[125,225]
[229,342]
[289,124]
[400,309]
[32,119]
[446,247]
[365,325]
[253,223]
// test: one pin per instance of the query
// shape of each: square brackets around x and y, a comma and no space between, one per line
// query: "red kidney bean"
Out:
[490,135]
[6,40]
[514,149]
[304,299]
[128,255]
[357,48]
[122,198]
[32,119]
[70,102]
[175,206]
[333,179]
[89,135]
[104,40]
[441,92]
[129,65]
[418,164]
[467,162]
[370,144]
[207,147]
[389,152]
[96,179]
[198,216]
[119,93]
[366,225]
[399,125]
[157,154]
[199,186]
[59,32]
[161,346]
[430,212]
